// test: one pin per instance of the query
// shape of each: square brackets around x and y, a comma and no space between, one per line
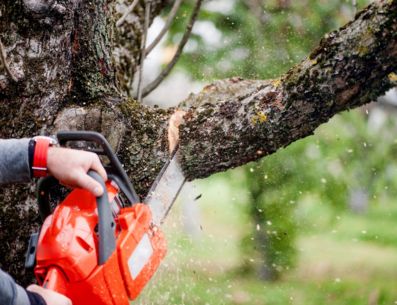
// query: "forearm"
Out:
[14,161]
[11,293]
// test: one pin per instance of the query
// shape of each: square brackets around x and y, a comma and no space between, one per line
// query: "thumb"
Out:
[86,182]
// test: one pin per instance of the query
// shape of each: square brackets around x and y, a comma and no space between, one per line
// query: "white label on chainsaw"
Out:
[140,257]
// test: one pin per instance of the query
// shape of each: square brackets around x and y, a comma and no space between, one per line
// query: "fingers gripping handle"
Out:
[106,225]
[115,165]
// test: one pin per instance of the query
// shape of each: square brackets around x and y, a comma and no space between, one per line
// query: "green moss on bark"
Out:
[144,149]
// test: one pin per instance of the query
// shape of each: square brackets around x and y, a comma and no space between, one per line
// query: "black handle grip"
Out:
[87,136]
[115,165]
[43,195]
[106,225]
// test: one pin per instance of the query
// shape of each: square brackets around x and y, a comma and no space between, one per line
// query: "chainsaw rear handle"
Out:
[106,224]
[115,169]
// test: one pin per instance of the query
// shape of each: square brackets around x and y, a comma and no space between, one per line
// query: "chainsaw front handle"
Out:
[106,224]
[114,169]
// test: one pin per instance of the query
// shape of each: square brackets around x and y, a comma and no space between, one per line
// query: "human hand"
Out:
[70,167]
[49,296]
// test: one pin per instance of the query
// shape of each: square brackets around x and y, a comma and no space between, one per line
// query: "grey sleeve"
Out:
[11,293]
[14,161]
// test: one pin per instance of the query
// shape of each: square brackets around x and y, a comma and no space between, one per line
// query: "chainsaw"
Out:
[102,250]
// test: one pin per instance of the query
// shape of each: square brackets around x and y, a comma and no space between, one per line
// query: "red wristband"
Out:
[40,157]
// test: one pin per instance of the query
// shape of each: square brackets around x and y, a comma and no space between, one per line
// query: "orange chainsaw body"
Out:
[67,251]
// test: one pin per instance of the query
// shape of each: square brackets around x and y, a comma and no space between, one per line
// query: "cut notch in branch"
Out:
[153,85]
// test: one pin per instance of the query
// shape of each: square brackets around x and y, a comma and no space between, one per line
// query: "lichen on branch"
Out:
[236,121]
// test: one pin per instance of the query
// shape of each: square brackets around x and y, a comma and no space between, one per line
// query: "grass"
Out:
[343,259]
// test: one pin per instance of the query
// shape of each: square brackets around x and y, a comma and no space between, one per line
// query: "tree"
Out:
[66,64]
[262,39]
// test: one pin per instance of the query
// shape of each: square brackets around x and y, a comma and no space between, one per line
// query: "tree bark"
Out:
[63,57]
[236,121]
[73,68]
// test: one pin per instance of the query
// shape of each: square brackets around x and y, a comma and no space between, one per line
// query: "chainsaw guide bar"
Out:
[165,189]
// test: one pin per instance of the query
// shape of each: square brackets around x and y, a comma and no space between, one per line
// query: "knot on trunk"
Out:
[43,8]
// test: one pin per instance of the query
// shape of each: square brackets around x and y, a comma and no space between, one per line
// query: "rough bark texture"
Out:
[236,121]
[62,54]
[71,65]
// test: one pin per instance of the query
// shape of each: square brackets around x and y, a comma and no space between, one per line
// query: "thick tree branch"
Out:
[236,121]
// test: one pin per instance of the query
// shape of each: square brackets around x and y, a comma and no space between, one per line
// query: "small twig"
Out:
[126,13]
[166,27]
[153,85]
[3,57]
[258,10]
[143,45]
[355,8]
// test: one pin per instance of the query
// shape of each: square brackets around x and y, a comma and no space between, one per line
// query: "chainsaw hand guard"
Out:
[115,168]
[106,224]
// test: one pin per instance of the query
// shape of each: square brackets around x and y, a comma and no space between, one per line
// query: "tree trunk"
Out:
[67,66]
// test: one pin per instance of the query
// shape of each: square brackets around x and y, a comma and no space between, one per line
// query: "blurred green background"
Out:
[313,223]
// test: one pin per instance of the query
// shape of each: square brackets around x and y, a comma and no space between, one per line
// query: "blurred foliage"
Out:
[269,250]
[257,38]
[342,159]
[344,258]
[262,39]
